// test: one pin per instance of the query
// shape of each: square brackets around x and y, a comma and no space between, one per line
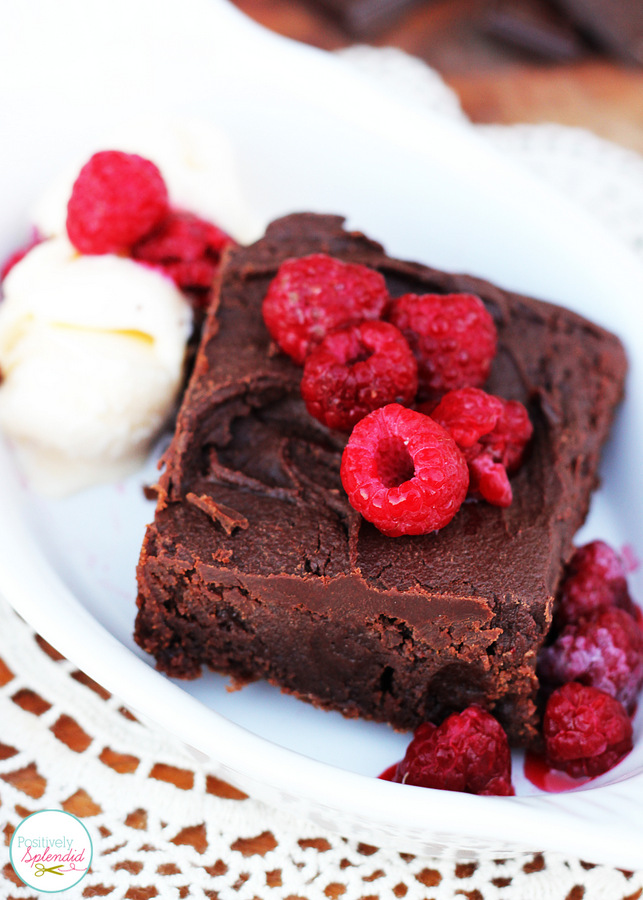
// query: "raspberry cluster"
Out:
[492,434]
[592,669]
[119,204]
[595,663]
[367,359]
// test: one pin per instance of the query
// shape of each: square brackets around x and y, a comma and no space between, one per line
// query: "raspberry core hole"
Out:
[394,462]
[360,356]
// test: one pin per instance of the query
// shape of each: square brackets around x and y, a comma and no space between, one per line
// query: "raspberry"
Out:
[356,369]
[312,295]
[604,651]
[492,433]
[468,752]
[403,472]
[468,414]
[186,248]
[116,200]
[488,479]
[586,731]
[453,337]
[507,442]
[595,580]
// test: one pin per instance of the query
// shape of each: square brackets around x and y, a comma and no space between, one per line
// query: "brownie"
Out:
[256,566]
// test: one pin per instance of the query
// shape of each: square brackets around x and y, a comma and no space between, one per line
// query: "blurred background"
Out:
[574,62]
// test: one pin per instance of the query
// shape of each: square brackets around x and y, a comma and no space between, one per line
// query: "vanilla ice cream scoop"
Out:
[92,353]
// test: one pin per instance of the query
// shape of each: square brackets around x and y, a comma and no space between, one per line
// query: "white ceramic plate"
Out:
[309,135]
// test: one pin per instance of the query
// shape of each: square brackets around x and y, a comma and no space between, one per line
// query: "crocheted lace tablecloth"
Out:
[163,825]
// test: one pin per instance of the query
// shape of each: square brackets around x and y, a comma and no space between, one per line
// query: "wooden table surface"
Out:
[495,82]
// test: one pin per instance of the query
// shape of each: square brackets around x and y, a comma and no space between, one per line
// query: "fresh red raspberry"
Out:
[595,580]
[468,752]
[403,472]
[507,442]
[19,254]
[186,248]
[489,480]
[312,295]
[586,731]
[356,369]
[492,433]
[453,337]
[116,200]
[468,414]
[604,651]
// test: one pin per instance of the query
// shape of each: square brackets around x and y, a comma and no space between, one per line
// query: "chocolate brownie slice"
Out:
[256,566]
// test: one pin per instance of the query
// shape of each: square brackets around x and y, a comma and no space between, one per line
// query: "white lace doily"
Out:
[165,826]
